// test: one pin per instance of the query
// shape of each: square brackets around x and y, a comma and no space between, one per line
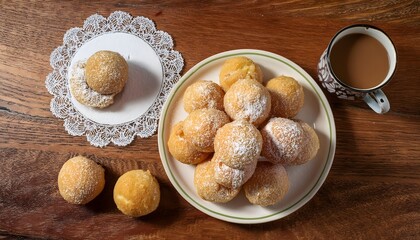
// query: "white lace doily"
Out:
[154,67]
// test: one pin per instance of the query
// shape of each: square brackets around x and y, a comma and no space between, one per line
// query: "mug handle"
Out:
[377,101]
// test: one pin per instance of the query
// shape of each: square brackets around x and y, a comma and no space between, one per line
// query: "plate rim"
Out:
[295,205]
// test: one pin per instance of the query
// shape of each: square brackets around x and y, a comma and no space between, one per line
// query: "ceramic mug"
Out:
[373,96]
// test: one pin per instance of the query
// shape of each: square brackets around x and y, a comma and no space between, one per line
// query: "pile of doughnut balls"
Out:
[240,134]
[136,192]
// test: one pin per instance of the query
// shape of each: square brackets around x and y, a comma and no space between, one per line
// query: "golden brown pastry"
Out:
[203,94]
[283,140]
[201,125]
[137,193]
[287,96]
[248,99]
[106,72]
[237,68]
[80,180]
[311,147]
[268,185]
[181,149]
[231,177]
[207,188]
[238,144]
[83,93]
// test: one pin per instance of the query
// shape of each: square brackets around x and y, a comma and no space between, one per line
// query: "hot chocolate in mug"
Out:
[358,62]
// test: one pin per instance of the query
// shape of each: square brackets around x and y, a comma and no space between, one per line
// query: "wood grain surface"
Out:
[372,191]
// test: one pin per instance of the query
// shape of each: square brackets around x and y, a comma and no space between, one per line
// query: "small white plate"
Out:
[145,77]
[305,180]
[154,68]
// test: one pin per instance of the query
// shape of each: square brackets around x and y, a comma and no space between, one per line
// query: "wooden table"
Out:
[373,188]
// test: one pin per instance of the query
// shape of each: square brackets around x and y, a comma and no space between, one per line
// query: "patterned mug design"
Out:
[328,82]
[375,97]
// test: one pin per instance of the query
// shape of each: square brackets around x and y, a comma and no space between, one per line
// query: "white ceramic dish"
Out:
[145,78]
[154,68]
[305,180]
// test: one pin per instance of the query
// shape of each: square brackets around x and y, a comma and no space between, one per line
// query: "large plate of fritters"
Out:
[247,136]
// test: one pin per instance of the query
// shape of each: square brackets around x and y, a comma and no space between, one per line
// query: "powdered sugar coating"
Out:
[248,99]
[232,177]
[80,180]
[206,186]
[311,147]
[201,125]
[238,144]
[283,140]
[83,93]
[268,185]
[203,94]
